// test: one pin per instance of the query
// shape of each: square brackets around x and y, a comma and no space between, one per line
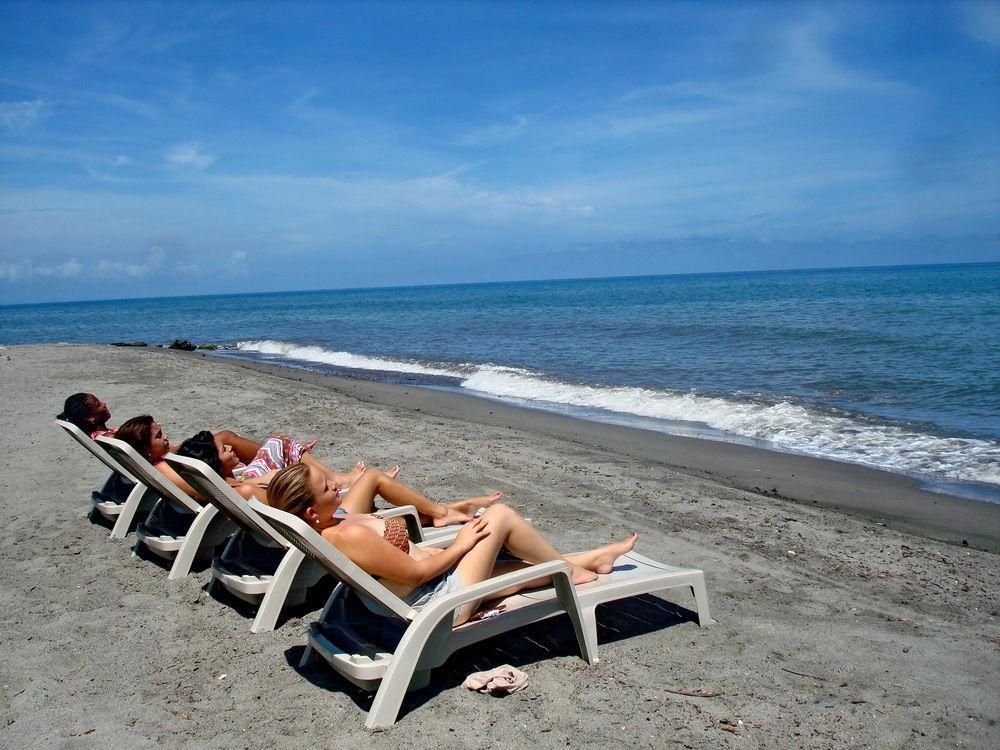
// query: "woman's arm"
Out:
[377,557]
[245,448]
[175,478]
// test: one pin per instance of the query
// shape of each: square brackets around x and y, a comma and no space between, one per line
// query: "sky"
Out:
[175,148]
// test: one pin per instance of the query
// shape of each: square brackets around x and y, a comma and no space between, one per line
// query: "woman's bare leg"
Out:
[346,478]
[245,448]
[524,541]
[473,504]
[373,482]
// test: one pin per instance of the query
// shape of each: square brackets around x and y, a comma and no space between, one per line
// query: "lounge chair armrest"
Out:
[410,515]
[443,604]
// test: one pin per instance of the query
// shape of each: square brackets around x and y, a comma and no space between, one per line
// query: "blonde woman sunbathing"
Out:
[418,575]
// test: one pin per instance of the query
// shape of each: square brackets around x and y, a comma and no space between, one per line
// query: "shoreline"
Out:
[898,501]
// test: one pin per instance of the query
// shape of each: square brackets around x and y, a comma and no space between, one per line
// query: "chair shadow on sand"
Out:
[617,621]
[142,552]
[316,597]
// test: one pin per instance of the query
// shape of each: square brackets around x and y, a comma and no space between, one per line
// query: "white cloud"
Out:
[133,270]
[135,106]
[809,62]
[120,161]
[496,133]
[238,256]
[190,155]
[26,269]
[21,115]
[982,21]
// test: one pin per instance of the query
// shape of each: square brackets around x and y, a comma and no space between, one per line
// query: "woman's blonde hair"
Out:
[289,490]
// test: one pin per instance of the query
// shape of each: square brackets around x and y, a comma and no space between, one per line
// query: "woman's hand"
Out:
[472,534]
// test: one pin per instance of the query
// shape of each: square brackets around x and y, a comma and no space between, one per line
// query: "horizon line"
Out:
[505,281]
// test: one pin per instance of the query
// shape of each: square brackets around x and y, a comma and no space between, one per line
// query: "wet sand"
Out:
[849,613]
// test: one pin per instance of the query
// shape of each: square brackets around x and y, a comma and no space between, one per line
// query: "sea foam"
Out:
[341,359]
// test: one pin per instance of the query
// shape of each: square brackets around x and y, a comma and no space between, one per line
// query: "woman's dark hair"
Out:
[137,432]
[202,446]
[78,411]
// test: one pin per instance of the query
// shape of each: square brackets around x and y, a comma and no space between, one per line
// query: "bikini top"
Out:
[395,532]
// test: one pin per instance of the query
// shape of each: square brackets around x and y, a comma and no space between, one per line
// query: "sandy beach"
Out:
[853,608]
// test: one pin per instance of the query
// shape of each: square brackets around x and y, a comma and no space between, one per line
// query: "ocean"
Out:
[896,368]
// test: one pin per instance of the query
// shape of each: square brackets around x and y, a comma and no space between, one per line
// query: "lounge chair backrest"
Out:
[145,473]
[303,536]
[87,442]
[215,490]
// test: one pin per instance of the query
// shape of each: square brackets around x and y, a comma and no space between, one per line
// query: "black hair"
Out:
[202,446]
[78,411]
[137,432]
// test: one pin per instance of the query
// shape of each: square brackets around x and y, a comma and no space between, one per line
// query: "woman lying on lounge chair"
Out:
[418,575]
[146,436]
[384,484]
[91,415]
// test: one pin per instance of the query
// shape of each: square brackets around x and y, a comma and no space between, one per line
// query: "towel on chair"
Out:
[502,680]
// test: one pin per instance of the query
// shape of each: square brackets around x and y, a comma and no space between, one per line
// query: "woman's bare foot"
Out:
[451,516]
[393,472]
[473,504]
[581,574]
[602,559]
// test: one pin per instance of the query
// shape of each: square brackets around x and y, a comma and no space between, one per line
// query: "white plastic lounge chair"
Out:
[271,587]
[429,637]
[121,514]
[205,532]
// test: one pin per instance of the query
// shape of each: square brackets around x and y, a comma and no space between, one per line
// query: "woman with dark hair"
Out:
[146,435]
[254,483]
[88,413]
[91,415]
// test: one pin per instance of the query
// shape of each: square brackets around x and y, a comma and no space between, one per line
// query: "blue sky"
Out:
[186,148]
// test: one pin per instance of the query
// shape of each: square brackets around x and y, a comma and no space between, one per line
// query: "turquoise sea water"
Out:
[897,368]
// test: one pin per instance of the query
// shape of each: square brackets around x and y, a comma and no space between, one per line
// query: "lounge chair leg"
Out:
[402,674]
[192,541]
[701,599]
[588,643]
[583,618]
[388,699]
[129,509]
[307,656]
[277,592]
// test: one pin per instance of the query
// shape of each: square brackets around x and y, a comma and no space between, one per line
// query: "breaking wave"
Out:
[789,426]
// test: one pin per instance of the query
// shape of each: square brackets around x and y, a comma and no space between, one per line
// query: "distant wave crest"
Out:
[786,425]
[342,359]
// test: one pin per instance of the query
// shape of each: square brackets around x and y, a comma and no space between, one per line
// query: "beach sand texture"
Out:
[832,630]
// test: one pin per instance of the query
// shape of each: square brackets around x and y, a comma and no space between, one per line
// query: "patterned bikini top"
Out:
[396,534]
[395,531]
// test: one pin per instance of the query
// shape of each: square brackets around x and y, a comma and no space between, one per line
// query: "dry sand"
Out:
[834,629]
